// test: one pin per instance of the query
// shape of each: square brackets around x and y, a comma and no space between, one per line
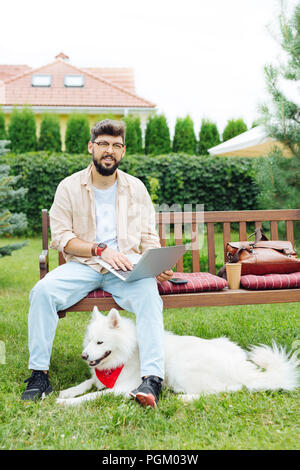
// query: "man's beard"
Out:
[103,170]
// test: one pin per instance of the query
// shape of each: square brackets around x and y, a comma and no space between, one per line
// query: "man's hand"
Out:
[116,259]
[165,276]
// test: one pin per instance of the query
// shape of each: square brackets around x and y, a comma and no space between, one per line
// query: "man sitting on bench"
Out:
[99,211]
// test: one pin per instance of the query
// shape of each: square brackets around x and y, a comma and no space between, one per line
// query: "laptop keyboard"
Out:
[123,273]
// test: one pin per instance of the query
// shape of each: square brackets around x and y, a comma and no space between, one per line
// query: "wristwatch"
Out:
[97,249]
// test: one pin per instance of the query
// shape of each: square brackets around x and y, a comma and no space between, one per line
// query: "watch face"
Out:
[102,245]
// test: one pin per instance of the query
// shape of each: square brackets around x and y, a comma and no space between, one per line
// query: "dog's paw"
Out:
[66,393]
[66,401]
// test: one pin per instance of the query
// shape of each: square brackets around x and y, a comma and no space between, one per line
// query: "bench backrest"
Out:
[180,227]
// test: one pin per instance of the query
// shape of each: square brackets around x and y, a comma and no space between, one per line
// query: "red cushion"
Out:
[197,282]
[271,281]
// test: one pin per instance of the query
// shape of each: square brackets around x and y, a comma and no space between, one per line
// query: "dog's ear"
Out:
[96,314]
[113,318]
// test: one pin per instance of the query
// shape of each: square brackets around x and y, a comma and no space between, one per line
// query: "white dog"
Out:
[193,366]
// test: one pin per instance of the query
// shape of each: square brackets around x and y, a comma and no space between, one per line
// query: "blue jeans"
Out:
[69,283]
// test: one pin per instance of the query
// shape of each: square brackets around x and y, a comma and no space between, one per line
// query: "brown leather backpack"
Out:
[262,256]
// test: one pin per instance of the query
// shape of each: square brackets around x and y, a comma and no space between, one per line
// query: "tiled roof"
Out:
[98,90]
[9,71]
[122,77]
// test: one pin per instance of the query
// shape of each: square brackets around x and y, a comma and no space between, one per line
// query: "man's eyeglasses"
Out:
[103,145]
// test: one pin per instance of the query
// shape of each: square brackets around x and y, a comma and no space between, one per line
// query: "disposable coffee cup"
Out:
[233,271]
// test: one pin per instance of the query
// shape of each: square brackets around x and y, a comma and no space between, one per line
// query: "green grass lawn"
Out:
[240,420]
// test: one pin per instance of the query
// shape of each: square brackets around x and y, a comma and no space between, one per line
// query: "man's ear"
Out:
[90,147]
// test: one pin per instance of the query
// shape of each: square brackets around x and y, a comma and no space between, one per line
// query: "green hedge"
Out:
[218,183]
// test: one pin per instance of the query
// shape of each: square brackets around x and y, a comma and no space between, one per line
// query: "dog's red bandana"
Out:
[108,377]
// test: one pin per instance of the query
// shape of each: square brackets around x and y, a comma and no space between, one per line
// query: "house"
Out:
[62,88]
[252,143]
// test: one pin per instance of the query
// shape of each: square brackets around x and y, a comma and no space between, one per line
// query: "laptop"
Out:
[153,262]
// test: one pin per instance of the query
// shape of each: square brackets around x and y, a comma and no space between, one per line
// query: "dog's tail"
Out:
[277,369]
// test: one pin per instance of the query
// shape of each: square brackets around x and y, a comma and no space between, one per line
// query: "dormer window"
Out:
[41,80]
[74,81]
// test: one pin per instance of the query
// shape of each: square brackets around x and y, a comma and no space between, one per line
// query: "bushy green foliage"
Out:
[10,222]
[22,131]
[77,134]
[208,136]
[233,128]
[3,134]
[218,183]
[184,136]
[157,135]
[50,133]
[281,118]
[133,137]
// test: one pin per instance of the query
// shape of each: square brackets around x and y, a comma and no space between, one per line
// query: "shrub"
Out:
[50,133]
[234,128]
[10,223]
[77,134]
[184,136]
[3,134]
[22,131]
[218,183]
[208,136]
[157,136]
[131,139]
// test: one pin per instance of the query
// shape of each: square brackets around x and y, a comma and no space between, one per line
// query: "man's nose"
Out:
[84,356]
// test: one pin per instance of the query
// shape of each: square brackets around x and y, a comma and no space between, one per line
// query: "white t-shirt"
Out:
[106,222]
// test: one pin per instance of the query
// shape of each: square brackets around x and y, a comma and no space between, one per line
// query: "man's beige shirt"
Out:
[72,215]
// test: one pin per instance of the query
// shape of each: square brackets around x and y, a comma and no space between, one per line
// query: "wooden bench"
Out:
[193,219]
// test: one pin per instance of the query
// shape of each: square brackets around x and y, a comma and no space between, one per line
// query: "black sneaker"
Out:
[148,392]
[38,386]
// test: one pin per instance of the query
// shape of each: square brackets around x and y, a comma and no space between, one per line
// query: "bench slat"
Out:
[195,248]
[243,231]
[274,230]
[226,237]
[290,231]
[211,248]
[178,241]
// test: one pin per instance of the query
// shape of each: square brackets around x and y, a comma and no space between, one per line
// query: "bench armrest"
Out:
[44,263]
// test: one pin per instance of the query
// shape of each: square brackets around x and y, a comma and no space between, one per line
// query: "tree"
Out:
[234,128]
[10,222]
[77,133]
[208,136]
[22,131]
[3,134]
[281,118]
[131,135]
[50,133]
[157,136]
[278,176]
[184,136]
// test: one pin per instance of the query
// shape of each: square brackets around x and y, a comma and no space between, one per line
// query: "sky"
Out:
[204,58]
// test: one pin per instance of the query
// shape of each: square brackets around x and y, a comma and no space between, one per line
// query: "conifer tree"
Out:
[22,131]
[184,136]
[233,128]
[10,222]
[77,134]
[278,176]
[131,138]
[157,136]
[208,136]
[50,133]
[3,134]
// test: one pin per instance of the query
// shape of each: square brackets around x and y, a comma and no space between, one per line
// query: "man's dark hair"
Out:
[108,127]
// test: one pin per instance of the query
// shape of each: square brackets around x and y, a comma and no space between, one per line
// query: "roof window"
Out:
[74,80]
[41,80]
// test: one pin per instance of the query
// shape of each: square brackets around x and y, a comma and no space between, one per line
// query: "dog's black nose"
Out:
[84,356]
